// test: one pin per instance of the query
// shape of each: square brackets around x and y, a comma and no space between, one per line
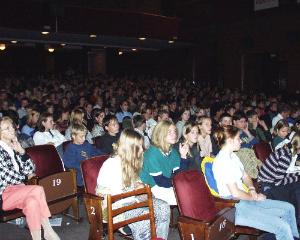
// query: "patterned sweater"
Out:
[274,169]
[8,174]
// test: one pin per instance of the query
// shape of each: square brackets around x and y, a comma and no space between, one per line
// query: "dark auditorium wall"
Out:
[270,44]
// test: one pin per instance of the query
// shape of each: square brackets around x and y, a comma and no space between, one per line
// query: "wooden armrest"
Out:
[224,203]
[92,196]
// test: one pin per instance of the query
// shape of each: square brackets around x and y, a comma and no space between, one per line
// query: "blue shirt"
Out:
[75,154]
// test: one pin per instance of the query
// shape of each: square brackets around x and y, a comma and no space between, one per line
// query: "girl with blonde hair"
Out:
[77,117]
[161,161]
[204,139]
[125,164]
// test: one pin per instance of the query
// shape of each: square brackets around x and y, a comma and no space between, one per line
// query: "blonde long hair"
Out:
[159,135]
[130,149]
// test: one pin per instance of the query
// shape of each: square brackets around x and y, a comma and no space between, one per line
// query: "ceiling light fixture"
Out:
[45,32]
[62,44]
[51,50]
[120,52]
[142,38]
[14,41]
[133,49]
[93,35]
[170,41]
[2,47]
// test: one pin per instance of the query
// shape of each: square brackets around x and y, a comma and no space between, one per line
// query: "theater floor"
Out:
[68,230]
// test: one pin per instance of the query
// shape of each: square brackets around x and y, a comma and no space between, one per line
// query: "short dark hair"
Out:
[138,120]
[239,115]
[251,113]
[107,119]
[283,107]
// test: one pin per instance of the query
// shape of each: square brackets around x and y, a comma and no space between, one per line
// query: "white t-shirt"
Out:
[227,169]
[55,137]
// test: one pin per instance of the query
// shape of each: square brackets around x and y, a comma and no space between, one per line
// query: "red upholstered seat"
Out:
[90,170]
[199,218]
[262,150]
[191,188]
[46,160]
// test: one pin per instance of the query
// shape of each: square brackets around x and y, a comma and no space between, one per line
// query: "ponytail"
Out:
[223,133]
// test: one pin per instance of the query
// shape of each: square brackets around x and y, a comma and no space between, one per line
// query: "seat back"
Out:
[46,160]
[116,211]
[90,169]
[206,167]
[193,196]
[262,151]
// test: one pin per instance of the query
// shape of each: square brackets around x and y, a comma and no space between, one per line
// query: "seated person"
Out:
[32,119]
[46,133]
[161,161]
[111,136]
[225,120]
[190,137]
[15,168]
[123,111]
[98,116]
[253,209]
[79,150]
[240,121]
[280,132]
[257,127]
[77,117]
[139,124]
[125,164]
[278,176]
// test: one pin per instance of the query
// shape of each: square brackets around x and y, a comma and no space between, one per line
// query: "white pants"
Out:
[165,194]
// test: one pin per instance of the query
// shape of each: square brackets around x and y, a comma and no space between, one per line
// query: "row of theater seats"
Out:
[201,215]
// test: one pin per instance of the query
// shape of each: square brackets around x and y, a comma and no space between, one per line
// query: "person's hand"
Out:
[16,146]
[263,124]
[183,149]
[261,197]
[253,194]
[31,175]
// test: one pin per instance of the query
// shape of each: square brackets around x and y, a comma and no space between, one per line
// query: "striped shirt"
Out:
[274,169]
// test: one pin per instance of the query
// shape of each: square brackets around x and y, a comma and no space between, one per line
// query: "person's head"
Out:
[32,118]
[281,128]
[295,143]
[78,133]
[98,115]
[190,133]
[124,106]
[88,107]
[77,116]
[204,124]
[225,120]
[147,112]
[252,116]
[296,127]
[284,109]
[111,125]
[24,102]
[7,129]
[229,137]
[173,105]
[45,122]
[240,120]
[139,122]
[273,106]
[230,110]
[162,115]
[164,135]
[185,114]
[130,149]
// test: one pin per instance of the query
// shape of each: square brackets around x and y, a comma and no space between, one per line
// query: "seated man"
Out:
[240,121]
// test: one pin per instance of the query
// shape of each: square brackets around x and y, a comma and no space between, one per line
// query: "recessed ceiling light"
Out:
[51,50]
[45,32]
[2,47]
[93,35]
[13,41]
[170,41]
[62,44]
[142,38]
[133,49]
[120,52]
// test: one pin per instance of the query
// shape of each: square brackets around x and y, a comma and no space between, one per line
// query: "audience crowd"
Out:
[153,128]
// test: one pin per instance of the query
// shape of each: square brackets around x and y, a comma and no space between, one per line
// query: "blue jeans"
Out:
[270,215]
